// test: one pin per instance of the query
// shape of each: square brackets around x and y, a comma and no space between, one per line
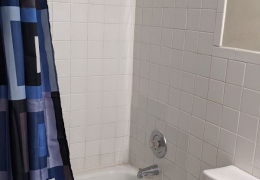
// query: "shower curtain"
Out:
[33,144]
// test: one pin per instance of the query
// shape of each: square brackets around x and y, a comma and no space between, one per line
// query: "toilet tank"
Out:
[227,173]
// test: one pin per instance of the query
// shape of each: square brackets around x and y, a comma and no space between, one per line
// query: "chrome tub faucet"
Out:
[148,171]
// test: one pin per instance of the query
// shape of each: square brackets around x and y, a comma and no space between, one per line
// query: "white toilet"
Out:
[227,173]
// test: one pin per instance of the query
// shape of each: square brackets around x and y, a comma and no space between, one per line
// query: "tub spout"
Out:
[148,171]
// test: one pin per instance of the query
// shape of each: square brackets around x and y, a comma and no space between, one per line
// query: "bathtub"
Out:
[122,172]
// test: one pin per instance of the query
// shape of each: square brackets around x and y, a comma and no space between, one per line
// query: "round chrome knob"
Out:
[158,143]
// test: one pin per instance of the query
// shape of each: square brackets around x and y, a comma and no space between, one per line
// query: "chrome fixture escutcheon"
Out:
[158,143]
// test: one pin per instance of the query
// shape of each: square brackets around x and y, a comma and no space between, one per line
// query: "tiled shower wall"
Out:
[204,98]
[93,42]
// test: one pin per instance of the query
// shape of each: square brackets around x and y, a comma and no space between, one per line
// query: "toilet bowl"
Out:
[227,173]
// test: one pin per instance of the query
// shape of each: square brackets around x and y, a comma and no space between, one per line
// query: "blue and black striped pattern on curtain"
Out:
[33,144]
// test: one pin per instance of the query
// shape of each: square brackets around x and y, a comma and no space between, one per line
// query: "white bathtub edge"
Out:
[125,168]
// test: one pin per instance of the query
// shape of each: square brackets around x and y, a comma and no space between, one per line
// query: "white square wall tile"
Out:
[112,14]
[151,106]
[157,17]
[209,155]
[168,14]
[232,96]
[77,164]
[195,3]
[178,39]
[144,69]
[77,135]
[216,91]
[245,150]
[248,126]
[95,31]
[224,159]
[235,72]
[203,65]
[186,102]
[211,134]
[93,133]
[183,140]
[78,102]
[180,173]
[158,3]
[214,112]
[167,35]
[191,41]
[61,31]
[153,90]
[145,52]
[164,75]
[210,4]
[61,11]
[184,121]
[165,57]
[227,141]
[175,78]
[163,93]
[78,49]
[189,62]
[92,148]
[173,116]
[155,54]
[111,32]
[180,18]
[168,3]
[162,111]
[201,86]
[181,3]
[205,43]
[77,150]
[108,131]
[171,134]
[257,156]
[168,169]
[181,158]
[138,15]
[187,83]
[95,49]
[218,69]
[154,72]
[243,165]
[208,20]
[107,146]
[197,127]
[252,76]
[177,59]
[199,107]
[78,68]
[193,19]
[146,34]
[171,153]
[250,102]
[79,12]
[161,126]
[193,166]
[195,147]
[78,85]
[230,119]
[147,16]
[78,118]
[96,13]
